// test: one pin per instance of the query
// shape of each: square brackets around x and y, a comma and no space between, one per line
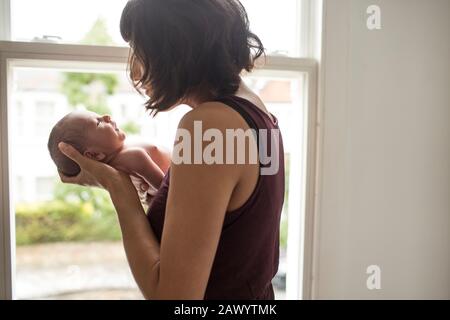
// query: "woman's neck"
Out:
[199,99]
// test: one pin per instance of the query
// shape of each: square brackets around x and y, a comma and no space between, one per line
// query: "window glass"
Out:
[96,22]
[67,237]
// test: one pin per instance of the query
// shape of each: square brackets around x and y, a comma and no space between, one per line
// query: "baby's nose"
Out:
[107,118]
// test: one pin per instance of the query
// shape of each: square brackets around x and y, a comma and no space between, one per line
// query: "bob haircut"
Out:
[185,47]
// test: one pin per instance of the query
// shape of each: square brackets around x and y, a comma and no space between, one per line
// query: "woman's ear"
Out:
[99,156]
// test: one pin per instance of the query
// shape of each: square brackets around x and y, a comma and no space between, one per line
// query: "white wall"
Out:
[385,179]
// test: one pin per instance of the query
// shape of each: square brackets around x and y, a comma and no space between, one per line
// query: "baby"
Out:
[99,138]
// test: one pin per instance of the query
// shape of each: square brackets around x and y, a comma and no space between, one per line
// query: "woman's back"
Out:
[248,251]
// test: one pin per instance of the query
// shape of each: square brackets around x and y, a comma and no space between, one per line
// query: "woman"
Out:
[220,220]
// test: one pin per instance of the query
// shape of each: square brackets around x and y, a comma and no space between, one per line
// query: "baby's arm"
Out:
[136,161]
[160,155]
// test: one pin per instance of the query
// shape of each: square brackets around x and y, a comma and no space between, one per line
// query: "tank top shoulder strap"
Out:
[237,106]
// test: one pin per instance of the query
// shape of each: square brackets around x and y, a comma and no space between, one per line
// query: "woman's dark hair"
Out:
[183,46]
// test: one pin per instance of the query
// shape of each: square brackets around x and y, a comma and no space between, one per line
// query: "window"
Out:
[103,16]
[268,19]
[275,24]
[33,97]
[44,187]
[19,188]
[44,111]
[18,128]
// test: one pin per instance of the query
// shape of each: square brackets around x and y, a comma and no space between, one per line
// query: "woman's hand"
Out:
[93,173]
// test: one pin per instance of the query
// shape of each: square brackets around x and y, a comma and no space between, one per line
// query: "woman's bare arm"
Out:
[140,244]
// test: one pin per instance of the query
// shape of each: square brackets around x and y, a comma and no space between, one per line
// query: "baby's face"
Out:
[102,133]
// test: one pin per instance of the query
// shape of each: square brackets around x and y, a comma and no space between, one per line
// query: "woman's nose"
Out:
[106,118]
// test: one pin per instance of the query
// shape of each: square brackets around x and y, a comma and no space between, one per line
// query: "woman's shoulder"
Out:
[213,114]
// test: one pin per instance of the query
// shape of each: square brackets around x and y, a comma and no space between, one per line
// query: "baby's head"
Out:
[94,136]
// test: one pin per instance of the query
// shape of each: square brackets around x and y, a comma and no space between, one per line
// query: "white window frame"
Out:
[301,272]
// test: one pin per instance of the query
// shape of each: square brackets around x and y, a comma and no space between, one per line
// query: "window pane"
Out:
[97,22]
[275,22]
[45,188]
[73,21]
[68,239]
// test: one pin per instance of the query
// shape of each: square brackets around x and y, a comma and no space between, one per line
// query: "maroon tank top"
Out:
[248,251]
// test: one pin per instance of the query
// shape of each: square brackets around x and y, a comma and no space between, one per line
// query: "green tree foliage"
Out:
[58,221]
[98,35]
[284,219]
[283,233]
[131,127]
[76,214]
[74,194]
[91,89]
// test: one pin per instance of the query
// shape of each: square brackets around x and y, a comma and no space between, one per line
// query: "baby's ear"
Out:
[99,156]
